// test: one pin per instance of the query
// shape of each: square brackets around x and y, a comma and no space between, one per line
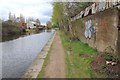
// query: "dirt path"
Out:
[56,63]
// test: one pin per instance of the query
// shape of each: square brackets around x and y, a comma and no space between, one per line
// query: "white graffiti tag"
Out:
[87,30]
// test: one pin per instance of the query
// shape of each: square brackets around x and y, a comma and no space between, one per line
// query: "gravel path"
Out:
[56,67]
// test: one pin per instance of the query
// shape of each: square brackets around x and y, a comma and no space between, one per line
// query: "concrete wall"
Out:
[118,47]
[100,30]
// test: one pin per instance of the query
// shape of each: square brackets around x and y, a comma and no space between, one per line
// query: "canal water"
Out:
[18,54]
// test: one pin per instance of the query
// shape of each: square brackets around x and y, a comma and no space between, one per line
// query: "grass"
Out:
[78,58]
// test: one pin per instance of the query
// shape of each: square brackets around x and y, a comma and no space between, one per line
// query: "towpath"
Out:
[56,67]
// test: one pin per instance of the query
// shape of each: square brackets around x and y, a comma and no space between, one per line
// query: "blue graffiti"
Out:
[92,29]
[87,30]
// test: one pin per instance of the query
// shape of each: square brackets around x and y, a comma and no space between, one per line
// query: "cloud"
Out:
[41,9]
[47,12]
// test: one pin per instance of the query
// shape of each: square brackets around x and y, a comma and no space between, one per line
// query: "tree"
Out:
[38,22]
[64,11]
[57,15]
[22,18]
[74,8]
[49,25]
[10,28]
[9,15]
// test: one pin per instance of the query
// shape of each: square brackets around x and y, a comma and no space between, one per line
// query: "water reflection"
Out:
[18,54]
[15,36]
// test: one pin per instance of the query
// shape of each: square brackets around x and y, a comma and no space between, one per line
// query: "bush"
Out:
[10,28]
[110,57]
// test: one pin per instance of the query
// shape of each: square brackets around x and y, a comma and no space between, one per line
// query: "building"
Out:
[31,24]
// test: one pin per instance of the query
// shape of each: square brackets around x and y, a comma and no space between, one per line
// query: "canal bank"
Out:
[36,66]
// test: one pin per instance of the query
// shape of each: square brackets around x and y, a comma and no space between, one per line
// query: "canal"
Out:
[18,54]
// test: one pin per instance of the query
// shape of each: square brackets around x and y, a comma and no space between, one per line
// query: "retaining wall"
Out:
[100,30]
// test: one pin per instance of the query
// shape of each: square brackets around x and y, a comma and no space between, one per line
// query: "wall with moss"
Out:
[99,30]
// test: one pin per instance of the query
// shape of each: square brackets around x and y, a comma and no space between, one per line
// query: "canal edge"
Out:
[34,69]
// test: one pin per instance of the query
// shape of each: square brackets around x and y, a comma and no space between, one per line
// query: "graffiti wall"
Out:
[99,30]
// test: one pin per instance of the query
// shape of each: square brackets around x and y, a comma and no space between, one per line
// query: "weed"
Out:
[78,66]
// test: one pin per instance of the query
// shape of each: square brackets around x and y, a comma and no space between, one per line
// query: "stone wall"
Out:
[99,30]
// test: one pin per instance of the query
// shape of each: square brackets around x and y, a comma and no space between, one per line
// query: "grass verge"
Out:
[42,72]
[78,58]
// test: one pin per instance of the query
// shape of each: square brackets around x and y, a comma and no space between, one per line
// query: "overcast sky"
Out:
[41,9]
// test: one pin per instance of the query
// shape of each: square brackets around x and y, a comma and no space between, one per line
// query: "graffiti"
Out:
[89,29]
[92,29]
